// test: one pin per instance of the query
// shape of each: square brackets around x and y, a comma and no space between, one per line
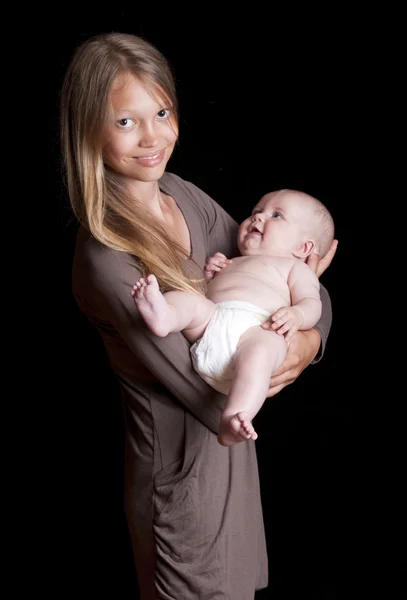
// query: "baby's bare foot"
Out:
[152,305]
[236,428]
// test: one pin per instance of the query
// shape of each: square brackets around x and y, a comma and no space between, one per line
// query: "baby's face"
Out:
[277,226]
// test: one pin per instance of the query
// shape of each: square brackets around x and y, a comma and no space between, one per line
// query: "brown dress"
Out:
[193,506]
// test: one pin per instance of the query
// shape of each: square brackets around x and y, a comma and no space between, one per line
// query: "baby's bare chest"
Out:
[265,268]
[256,279]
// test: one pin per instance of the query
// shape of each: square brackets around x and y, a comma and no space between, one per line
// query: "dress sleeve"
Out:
[110,279]
[324,324]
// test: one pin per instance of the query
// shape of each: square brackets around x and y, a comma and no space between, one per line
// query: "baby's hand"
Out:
[285,321]
[215,263]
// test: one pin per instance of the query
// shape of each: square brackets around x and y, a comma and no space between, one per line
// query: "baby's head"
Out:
[287,223]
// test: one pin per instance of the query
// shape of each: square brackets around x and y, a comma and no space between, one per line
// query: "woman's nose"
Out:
[148,138]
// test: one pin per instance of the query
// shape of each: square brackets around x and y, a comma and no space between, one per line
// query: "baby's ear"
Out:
[304,249]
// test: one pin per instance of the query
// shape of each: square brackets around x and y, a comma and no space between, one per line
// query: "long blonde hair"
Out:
[99,199]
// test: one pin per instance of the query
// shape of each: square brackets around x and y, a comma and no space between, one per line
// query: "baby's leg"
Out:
[172,311]
[257,356]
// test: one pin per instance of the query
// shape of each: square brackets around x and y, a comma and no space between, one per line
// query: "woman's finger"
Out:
[324,263]
[318,264]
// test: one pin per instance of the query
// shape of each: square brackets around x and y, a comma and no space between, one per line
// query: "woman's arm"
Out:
[104,293]
[301,352]
[106,280]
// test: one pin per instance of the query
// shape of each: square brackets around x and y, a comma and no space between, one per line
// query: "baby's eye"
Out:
[276,215]
[164,113]
[125,123]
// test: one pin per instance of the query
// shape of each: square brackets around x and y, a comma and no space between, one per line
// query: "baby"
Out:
[232,350]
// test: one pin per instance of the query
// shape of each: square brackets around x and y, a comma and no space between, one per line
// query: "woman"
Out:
[193,507]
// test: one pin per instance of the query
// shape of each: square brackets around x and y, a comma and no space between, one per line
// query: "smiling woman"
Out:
[192,505]
[141,135]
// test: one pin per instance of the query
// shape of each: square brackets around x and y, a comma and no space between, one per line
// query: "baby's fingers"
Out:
[220,263]
[273,322]
[223,262]
[212,267]
[282,330]
[219,259]
[279,318]
[279,314]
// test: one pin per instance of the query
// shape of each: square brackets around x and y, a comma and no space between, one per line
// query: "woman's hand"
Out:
[301,352]
[319,265]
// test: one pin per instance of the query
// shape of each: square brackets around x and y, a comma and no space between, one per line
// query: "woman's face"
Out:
[141,133]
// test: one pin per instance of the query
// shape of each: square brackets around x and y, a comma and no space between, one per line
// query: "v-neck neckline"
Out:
[184,211]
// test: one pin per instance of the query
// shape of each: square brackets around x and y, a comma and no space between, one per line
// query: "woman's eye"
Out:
[164,113]
[125,123]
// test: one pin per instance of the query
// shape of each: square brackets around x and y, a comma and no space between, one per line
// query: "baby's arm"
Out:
[214,264]
[306,306]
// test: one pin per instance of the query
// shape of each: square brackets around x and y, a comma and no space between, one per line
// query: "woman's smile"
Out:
[152,159]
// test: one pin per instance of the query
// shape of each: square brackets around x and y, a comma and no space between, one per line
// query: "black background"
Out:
[264,104]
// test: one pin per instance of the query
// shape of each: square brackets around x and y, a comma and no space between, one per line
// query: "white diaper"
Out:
[212,355]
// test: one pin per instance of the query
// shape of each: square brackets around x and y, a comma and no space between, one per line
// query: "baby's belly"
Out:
[266,296]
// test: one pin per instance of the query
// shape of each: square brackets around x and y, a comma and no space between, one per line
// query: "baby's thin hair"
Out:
[324,228]
[323,223]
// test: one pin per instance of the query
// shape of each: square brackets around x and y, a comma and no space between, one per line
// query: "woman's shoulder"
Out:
[89,249]
[176,186]
[94,261]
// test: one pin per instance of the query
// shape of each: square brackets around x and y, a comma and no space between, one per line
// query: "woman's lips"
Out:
[150,160]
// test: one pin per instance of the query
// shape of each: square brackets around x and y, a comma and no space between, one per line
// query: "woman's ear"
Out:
[304,249]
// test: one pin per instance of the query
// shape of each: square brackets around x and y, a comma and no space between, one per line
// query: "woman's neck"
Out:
[149,194]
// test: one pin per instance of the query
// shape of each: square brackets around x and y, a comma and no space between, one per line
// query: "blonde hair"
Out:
[100,201]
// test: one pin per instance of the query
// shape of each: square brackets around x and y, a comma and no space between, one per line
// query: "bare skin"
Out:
[157,313]
[271,274]
[163,314]
[173,312]
[258,354]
